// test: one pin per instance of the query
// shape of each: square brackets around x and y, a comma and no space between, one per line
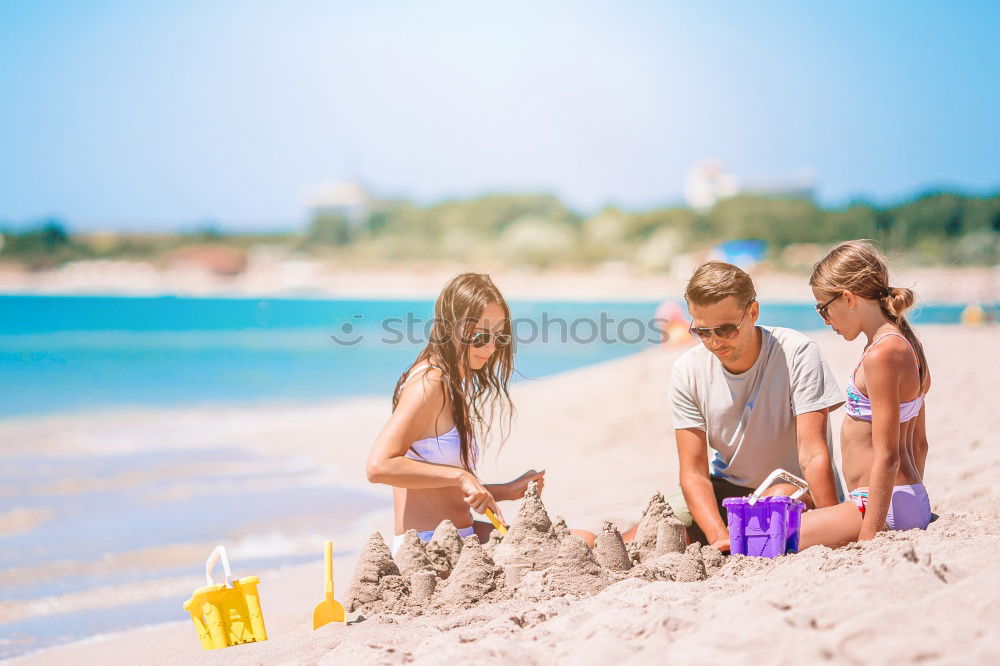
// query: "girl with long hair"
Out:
[429,449]
[883,438]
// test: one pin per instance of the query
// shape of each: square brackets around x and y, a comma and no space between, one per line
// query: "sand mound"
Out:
[575,572]
[713,559]
[610,549]
[671,536]
[411,556]
[685,567]
[692,565]
[531,539]
[494,541]
[643,547]
[560,528]
[375,564]
[422,586]
[905,597]
[444,548]
[472,579]
[663,567]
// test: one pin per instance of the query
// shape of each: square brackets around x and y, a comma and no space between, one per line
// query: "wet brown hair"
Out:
[715,280]
[483,394]
[860,267]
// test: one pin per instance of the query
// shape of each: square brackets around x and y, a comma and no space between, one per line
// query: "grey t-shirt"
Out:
[749,418]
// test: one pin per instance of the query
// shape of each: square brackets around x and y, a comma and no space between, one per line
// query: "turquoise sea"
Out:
[67,353]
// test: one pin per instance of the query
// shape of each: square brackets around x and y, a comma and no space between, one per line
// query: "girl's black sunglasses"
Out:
[822,308]
[482,339]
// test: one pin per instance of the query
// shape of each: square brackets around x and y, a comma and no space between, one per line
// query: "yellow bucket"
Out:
[227,613]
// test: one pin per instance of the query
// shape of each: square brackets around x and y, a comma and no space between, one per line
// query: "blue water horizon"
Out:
[71,353]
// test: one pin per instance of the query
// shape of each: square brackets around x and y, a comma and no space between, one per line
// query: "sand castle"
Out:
[374,575]
[444,548]
[644,546]
[575,572]
[536,560]
[531,540]
[412,556]
[610,549]
[475,575]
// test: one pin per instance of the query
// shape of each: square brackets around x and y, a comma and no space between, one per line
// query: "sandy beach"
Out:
[603,433]
[307,278]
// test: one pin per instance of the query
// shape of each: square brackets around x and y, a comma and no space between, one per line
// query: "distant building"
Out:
[708,182]
[348,198]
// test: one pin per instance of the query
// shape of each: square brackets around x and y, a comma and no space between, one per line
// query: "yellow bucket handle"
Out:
[218,554]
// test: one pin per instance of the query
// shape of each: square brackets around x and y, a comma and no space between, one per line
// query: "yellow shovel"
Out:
[496,522]
[328,610]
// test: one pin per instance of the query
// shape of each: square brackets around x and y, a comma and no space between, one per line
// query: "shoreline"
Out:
[615,283]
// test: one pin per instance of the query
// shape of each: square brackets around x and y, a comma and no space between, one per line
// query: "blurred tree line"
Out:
[538,230]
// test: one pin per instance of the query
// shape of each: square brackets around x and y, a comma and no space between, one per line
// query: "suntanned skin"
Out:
[425,493]
[880,454]
[737,356]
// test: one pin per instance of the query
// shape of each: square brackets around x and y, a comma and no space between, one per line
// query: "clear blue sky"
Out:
[138,115]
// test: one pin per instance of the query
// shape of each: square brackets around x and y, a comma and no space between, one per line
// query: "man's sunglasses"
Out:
[482,339]
[725,331]
[821,309]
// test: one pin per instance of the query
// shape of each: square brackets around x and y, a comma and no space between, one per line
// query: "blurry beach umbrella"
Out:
[745,253]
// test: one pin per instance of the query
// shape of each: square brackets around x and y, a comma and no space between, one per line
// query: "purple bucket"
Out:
[768,528]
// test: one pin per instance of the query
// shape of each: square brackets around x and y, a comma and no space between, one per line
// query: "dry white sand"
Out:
[604,436]
[318,279]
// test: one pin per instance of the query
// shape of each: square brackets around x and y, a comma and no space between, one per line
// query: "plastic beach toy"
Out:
[766,526]
[226,613]
[328,610]
[496,522]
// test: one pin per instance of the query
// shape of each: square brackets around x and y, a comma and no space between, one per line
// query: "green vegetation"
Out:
[539,230]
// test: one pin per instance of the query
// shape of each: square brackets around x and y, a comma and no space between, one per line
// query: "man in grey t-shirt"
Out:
[757,396]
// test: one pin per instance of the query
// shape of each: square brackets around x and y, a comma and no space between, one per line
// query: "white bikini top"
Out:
[446,448]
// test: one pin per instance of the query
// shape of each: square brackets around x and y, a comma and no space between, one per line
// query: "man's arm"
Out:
[814,457]
[692,454]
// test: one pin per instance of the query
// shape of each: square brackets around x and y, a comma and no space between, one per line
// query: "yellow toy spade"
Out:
[328,610]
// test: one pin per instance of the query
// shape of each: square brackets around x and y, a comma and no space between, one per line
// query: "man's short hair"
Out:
[715,280]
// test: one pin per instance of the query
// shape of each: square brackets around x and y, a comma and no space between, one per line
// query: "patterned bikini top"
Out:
[859,405]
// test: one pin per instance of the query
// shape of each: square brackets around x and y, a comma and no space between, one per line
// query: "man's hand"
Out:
[692,454]
[722,545]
